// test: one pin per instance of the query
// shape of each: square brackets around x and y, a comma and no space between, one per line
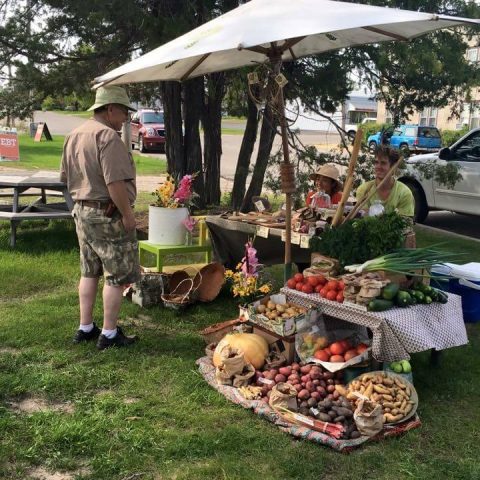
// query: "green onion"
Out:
[405,260]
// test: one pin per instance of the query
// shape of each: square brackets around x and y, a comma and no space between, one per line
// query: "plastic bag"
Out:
[311,335]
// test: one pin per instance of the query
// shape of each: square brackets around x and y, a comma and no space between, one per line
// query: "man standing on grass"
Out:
[100,175]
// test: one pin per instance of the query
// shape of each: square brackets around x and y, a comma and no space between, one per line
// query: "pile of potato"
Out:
[394,395]
[277,311]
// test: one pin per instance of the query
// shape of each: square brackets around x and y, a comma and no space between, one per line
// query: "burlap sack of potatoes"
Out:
[243,379]
[232,361]
[283,395]
[222,377]
[368,417]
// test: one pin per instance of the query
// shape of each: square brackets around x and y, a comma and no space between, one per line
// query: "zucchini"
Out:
[379,305]
[403,299]
[390,290]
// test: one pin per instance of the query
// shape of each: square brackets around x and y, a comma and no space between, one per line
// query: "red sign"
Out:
[9,146]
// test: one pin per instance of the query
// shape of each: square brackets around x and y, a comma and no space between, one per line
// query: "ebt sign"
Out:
[9,145]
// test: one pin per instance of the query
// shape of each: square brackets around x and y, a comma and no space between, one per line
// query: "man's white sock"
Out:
[109,333]
[86,328]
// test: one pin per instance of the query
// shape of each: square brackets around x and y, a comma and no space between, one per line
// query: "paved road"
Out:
[461,224]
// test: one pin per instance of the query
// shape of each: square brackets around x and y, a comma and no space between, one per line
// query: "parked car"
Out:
[352,128]
[147,129]
[464,197]
[408,138]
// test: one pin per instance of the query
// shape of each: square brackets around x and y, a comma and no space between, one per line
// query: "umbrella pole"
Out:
[287,272]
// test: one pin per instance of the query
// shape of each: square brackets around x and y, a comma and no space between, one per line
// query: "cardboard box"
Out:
[284,346]
[282,326]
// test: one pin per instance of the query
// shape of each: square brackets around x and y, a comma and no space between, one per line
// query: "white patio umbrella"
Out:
[276,31]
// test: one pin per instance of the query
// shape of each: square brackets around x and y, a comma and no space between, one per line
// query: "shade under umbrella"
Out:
[276,31]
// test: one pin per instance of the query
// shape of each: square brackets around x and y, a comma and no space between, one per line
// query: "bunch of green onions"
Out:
[405,260]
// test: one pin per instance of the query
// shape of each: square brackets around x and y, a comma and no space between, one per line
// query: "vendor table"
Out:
[39,209]
[228,239]
[399,331]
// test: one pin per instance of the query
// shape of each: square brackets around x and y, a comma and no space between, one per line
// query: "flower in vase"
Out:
[169,195]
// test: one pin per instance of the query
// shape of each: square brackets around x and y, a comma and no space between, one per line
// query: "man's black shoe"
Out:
[119,340]
[81,336]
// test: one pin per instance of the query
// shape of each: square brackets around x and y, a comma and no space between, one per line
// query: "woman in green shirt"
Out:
[393,194]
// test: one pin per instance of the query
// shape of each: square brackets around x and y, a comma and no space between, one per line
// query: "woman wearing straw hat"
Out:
[326,180]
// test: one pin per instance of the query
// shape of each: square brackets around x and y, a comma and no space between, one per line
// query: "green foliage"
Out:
[359,240]
[373,128]
[448,174]
[449,137]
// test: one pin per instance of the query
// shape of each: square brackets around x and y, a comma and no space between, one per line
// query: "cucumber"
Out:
[389,291]
[379,305]
[428,299]
[442,297]
[418,295]
[403,299]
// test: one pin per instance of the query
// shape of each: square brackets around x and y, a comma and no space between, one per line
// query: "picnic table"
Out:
[40,185]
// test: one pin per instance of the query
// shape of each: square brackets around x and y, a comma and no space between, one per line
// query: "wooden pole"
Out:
[347,188]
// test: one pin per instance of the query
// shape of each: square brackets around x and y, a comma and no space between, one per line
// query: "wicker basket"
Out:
[212,279]
[182,289]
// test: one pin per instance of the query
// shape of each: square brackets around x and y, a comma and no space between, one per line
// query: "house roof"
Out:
[364,104]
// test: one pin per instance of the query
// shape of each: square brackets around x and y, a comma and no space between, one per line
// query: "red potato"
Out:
[322,390]
[331,388]
[316,382]
[323,383]
[336,395]
[330,396]
[258,374]
[285,371]
[269,375]
[305,369]
[294,382]
[315,375]
[327,375]
[316,395]
[293,376]
[303,394]
[330,381]
[295,367]
[305,378]
[264,391]
[298,387]
[309,386]
[280,378]
[274,371]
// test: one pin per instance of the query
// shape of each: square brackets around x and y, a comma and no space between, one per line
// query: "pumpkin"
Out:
[253,346]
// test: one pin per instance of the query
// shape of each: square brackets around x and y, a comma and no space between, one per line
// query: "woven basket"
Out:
[182,289]
[212,279]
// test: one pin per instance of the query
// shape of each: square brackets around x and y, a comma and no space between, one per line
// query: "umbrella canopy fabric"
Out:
[308,26]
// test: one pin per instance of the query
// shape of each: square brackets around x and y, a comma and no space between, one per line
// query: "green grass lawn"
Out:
[145,413]
[47,156]
[85,114]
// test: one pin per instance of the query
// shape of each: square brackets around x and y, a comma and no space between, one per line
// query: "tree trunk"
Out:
[212,136]
[267,134]
[245,155]
[193,91]
[172,106]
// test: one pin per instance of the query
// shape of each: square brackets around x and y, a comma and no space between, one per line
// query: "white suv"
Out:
[429,194]
[352,129]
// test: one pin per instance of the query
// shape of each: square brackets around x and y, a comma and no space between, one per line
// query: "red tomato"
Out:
[312,280]
[298,277]
[341,285]
[292,283]
[331,295]
[321,279]
[337,348]
[332,285]
[345,344]
[337,359]
[350,354]
[327,350]
[318,288]
[307,288]
[340,297]
[323,292]
[299,286]
[322,355]
[361,347]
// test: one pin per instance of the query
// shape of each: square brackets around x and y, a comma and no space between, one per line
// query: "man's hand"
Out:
[129,222]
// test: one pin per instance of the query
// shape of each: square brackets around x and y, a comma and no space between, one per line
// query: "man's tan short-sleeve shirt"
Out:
[93,157]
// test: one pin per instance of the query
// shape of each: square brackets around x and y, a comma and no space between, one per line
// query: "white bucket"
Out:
[165,225]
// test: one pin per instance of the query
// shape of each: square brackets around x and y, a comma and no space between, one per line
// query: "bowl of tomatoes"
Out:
[328,288]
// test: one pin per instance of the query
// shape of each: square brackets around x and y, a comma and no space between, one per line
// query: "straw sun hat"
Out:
[326,171]
[108,95]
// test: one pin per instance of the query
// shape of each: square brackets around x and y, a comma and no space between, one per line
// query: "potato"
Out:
[271,305]
[280,308]
[303,394]
[261,309]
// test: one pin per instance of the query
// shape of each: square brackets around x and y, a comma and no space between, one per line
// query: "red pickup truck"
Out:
[148,130]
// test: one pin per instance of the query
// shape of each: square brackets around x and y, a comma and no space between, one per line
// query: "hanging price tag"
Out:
[284,235]
[263,232]
[296,237]
[305,241]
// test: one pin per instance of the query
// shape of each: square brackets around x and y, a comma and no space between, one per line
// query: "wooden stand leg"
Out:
[13,233]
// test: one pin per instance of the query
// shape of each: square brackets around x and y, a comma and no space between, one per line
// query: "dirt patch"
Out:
[40,473]
[130,400]
[103,393]
[34,405]
[142,321]
[10,351]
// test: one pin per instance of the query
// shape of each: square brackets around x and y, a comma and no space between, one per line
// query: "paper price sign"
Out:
[259,205]
[305,241]
[296,237]
[284,235]
[263,232]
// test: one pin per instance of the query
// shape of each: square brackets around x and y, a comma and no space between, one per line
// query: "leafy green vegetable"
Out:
[359,240]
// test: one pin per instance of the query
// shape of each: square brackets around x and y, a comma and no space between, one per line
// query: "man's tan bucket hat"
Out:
[326,171]
[108,95]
